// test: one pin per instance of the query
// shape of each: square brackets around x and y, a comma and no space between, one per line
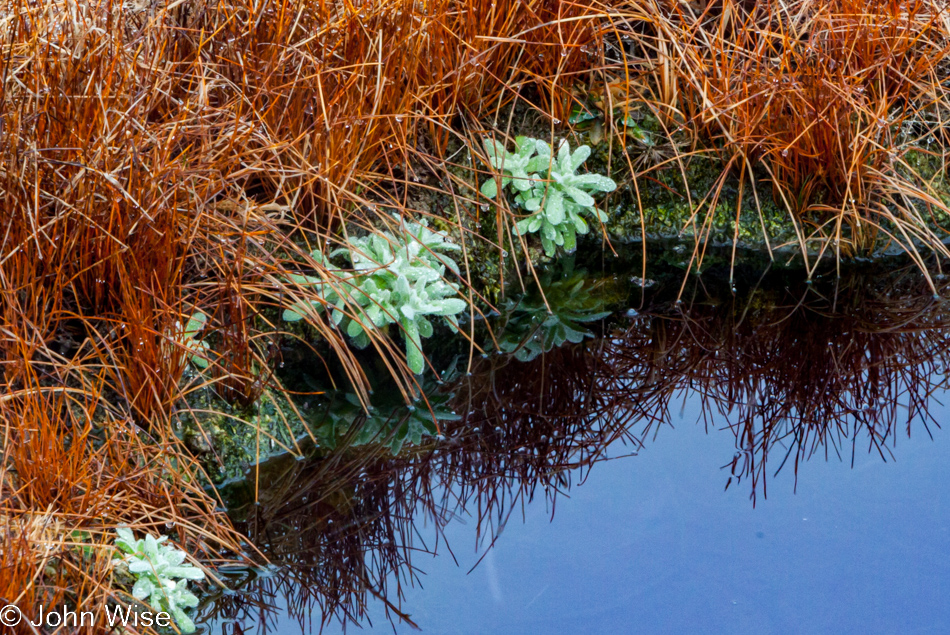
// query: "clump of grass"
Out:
[161,160]
[827,97]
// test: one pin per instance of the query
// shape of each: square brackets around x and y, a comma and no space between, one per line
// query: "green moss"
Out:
[229,440]
[675,204]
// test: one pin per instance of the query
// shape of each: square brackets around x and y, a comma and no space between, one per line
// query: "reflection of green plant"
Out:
[390,421]
[549,187]
[531,329]
[155,567]
[395,280]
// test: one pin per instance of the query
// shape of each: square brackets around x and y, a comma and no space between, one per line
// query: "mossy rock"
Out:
[229,440]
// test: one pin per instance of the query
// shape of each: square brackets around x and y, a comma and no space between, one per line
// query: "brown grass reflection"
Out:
[823,370]
[818,370]
[348,523]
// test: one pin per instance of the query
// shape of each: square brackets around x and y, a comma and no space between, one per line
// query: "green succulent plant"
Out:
[156,567]
[549,187]
[394,280]
[513,166]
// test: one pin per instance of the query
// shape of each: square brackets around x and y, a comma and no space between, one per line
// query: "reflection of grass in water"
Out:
[336,419]
[348,521]
[796,372]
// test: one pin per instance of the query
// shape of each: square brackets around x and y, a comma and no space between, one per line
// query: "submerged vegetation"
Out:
[196,193]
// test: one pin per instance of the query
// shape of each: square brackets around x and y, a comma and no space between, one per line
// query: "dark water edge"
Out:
[775,467]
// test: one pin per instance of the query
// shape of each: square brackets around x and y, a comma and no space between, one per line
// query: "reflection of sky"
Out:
[652,544]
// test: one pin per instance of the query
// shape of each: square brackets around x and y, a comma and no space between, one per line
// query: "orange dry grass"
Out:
[28,543]
[827,96]
[162,158]
[61,495]
[137,138]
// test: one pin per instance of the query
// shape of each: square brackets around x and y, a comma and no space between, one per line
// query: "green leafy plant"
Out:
[593,121]
[394,280]
[549,187]
[156,567]
[198,349]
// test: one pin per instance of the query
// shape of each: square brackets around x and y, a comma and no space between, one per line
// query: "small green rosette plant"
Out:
[395,279]
[161,577]
[549,187]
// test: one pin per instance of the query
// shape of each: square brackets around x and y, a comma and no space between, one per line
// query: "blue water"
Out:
[653,544]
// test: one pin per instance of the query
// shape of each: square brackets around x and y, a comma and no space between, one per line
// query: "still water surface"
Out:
[584,488]
[652,544]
